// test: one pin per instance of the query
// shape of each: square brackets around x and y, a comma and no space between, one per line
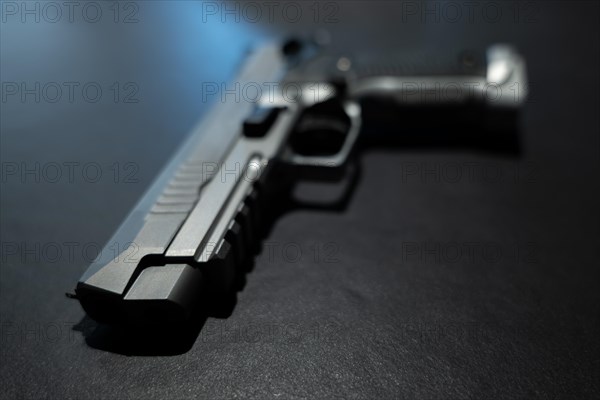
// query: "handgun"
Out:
[189,238]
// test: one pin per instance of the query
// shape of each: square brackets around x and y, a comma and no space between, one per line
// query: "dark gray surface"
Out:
[370,320]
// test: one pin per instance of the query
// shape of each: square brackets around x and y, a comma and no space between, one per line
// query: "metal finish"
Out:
[192,229]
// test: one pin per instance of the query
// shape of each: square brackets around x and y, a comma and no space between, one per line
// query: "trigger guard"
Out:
[327,163]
